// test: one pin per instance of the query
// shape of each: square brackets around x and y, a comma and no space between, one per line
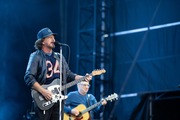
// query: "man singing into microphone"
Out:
[42,70]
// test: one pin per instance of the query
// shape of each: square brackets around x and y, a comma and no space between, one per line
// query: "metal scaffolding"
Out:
[86,41]
[94,51]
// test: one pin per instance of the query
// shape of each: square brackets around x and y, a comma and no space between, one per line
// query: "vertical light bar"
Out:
[103,28]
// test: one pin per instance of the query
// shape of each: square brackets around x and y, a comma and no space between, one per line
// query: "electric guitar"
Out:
[43,104]
[84,112]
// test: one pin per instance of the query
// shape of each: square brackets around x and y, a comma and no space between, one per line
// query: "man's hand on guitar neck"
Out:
[46,93]
[88,77]
[104,102]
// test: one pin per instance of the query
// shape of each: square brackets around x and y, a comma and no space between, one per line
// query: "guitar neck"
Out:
[68,85]
[91,107]
[98,103]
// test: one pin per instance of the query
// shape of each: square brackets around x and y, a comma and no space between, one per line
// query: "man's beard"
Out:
[51,46]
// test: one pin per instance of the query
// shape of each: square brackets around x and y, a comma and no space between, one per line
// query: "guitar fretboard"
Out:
[68,85]
[90,108]
[109,98]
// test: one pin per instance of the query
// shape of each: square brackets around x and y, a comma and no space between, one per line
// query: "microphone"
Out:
[60,44]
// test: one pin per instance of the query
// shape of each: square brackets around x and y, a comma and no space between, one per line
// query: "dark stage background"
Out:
[145,64]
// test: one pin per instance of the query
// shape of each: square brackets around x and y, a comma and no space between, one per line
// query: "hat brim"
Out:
[47,36]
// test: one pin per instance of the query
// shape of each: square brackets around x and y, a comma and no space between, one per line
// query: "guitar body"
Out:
[80,108]
[41,102]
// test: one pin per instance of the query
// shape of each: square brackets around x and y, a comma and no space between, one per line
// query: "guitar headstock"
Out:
[112,97]
[98,72]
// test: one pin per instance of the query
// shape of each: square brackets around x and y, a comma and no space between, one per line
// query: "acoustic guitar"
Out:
[84,112]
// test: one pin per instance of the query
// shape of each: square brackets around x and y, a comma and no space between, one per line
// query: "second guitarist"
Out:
[43,69]
[77,99]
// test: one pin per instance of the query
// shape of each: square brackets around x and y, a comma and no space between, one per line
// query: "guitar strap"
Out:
[88,101]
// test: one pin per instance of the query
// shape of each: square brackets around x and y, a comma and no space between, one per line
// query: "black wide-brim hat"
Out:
[45,32]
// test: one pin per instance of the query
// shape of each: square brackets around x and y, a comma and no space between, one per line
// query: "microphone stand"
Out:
[60,84]
[61,114]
